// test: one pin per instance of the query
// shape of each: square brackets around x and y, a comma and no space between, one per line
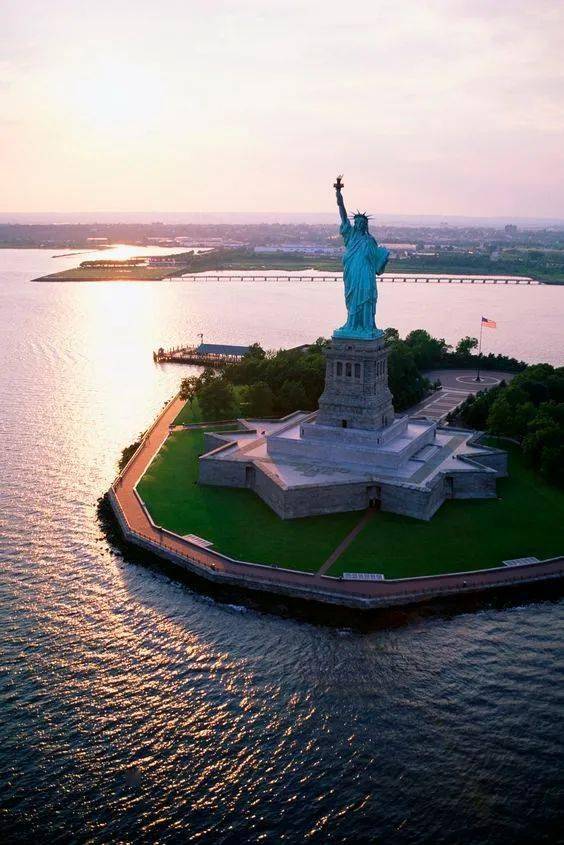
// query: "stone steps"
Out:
[426,452]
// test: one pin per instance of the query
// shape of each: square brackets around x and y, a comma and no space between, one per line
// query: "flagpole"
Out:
[480,350]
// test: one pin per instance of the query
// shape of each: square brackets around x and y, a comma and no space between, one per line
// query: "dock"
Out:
[386,278]
[204,355]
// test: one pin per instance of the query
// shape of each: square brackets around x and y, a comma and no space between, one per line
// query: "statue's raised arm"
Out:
[340,202]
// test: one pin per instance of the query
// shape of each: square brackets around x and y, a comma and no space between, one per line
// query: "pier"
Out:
[389,278]
[204,355]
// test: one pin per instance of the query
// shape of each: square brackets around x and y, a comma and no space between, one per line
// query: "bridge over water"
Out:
[390,278]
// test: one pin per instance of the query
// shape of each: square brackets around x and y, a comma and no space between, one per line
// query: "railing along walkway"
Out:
[391,278]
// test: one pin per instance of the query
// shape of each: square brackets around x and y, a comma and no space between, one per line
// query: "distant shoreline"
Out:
[226,259]
[158,274]
[513,251]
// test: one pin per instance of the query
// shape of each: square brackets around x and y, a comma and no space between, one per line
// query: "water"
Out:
[136,709]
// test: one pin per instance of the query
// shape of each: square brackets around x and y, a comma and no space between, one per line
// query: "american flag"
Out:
[489,324]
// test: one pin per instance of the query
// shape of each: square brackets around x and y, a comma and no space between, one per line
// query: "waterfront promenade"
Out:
[139,529]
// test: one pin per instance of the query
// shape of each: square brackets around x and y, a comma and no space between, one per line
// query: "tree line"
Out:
[267,384]
[530,409]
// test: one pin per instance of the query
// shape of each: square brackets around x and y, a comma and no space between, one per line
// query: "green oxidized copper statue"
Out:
[362,262]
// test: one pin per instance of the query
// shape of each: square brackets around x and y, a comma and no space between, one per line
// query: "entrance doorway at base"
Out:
[374,497]
[343,423]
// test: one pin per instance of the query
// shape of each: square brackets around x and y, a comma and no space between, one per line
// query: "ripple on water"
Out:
[135,709]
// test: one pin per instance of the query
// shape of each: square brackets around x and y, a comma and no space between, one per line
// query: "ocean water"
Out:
[137,709]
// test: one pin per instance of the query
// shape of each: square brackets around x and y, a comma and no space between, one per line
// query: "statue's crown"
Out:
[361,215]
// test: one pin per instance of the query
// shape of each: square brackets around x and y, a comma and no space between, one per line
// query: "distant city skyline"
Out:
[242,218]
[452,108]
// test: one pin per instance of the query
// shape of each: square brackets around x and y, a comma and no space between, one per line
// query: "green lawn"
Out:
[528,519]
[237,521]
[100,274]
[237,261]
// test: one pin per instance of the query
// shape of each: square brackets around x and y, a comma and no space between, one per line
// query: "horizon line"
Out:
[92,215]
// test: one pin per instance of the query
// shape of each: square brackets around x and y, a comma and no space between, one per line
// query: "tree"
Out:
[465,346]
[291,397]
[543,445]
[189,387]
[555,384]
[312,379]
[475,409]
[208,375]
[552,464]
[531,409]
[524,413]
[427,350]
[544,433]
[250,369]
[259,400]
[500,417]
[256,351]
[217,400]
[538,391]
[406,383]
[320,344]
[391,335]
[128,453]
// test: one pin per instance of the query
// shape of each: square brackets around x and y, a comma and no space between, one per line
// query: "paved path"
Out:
[456,386]
[336,554]
[212,565]
[431,465]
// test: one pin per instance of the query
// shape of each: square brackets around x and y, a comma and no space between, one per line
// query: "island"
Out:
[364,500]
[456,249]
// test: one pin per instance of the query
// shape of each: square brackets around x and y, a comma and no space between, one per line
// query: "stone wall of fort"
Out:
[495,459]
[222,473]
[473,485]
[411,501]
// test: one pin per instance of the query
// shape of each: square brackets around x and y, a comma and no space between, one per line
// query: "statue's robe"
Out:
[362,262]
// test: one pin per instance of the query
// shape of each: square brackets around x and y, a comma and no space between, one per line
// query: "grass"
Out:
[275,261]
[238,523]
[245,262]
[97,274]
[463,535]
[527,519]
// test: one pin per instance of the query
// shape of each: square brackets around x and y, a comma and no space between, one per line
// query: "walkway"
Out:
[321,276]
[344,544]
[456,386]
[139,529]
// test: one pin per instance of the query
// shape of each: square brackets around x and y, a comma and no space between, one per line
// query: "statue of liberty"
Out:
[362,262]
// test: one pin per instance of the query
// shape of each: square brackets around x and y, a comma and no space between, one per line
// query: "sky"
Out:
[449,107]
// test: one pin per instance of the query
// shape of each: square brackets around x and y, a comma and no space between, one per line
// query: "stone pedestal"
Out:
[387,449]
[356,391]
